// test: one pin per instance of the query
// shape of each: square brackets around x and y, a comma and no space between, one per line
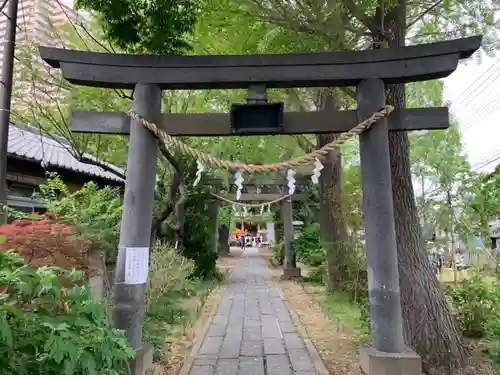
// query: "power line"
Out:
[484,110]
[483,88]
[4,3]
[476,81]
[491,157]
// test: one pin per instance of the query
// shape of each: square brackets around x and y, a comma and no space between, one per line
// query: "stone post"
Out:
[290,269]
[133,254]
[388,352]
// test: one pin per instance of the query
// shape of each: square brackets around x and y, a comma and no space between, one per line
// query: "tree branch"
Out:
[422,15]
[354,11]
[176,187]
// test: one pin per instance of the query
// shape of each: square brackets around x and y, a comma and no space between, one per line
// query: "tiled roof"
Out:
[51,150]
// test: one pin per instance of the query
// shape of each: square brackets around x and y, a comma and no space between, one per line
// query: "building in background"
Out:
[31,154]
[39,22]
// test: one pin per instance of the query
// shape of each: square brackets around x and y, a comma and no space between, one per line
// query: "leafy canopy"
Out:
[139,26]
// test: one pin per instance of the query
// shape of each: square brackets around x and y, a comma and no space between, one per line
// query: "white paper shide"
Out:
[136,265]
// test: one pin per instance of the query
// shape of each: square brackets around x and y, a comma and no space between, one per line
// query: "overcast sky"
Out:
[474,90]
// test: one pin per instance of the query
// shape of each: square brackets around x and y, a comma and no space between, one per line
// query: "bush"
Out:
[279,253]
[94,212]
[46,243]
[199,238]
[318,274]
[49,329]
[169,281]
[308,247]
[473,304]
[169,272]
[493,324]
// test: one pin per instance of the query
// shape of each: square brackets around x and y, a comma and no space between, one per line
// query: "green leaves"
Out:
[95,213]
[39,336]
[5,331]
[140,26]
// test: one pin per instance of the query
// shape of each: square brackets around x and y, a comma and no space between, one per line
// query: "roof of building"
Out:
[53,151]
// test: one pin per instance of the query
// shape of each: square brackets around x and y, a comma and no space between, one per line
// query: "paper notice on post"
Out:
[136,265]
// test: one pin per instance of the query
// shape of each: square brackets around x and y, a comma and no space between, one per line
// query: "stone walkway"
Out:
[252,332]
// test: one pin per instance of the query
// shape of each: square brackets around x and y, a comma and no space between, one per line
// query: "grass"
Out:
[338,307]
[168,318]
[345,314]
[446,276]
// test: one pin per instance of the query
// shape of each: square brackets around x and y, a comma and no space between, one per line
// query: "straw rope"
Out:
[250,205]
[306,159]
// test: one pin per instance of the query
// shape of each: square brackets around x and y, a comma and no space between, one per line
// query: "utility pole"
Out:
[5,100]
[452,234]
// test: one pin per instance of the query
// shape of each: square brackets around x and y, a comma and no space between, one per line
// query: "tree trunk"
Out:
[428,324]
[332,223]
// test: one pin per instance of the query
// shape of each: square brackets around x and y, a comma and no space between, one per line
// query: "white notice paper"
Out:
[136,265]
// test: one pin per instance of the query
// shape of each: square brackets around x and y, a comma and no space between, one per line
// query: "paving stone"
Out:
[230,349]
[234,335]
[201,370]
[252,312]
[224,309]
[251,366]
[211,345]
[283,316]
[251,348]
[273,346]
[216,330]
[293,341]
[300,360]
[287,327]
[278,365]
[205,360]
[270,328]
[252,333]
[227,367]
[251,321]
[305,373]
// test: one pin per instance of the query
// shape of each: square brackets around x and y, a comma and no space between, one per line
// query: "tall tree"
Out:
[429,327]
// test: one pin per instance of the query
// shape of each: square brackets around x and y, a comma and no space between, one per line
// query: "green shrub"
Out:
[94,212]
[51,325]
[308,247]
[365,320]
[279,253]
[473,304]
[169,272]
[317,274]
[170,282]
[199,236]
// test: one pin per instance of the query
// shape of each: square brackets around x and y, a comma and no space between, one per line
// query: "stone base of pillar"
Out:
[290,273]
[374,362]
[143,360]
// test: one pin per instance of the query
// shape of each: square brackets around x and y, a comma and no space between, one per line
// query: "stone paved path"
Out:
[252,332]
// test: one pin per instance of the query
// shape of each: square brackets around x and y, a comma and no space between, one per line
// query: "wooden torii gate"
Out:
[290,269]
[369,71]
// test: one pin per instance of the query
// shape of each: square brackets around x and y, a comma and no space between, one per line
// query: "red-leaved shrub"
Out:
[46,243]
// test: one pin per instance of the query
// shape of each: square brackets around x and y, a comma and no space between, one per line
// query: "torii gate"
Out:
[290,269]
[369,71]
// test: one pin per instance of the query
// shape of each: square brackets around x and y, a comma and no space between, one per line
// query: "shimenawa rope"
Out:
[250,205]
[290,164]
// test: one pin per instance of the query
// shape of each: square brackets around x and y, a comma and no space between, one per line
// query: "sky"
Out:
[474,90]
